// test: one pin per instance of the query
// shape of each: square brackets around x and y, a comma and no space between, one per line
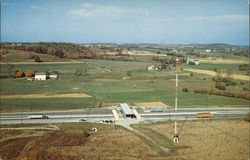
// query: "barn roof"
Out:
[40,73]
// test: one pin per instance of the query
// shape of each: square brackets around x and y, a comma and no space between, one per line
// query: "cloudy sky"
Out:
[126,21]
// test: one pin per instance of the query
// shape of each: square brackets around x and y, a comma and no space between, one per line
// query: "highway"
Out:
[97,115]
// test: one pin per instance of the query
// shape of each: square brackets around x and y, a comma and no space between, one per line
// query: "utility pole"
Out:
[176,136]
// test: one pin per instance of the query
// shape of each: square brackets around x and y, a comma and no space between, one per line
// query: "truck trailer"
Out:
[39,116]
[204,115]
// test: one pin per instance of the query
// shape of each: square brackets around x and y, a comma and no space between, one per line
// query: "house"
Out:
[153,68]
[40,76]
[192,62]
[197,62]
[208,50]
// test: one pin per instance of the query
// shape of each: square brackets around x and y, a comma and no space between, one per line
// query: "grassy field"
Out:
[21,56]
[44,104]
[157,141]
[208,139]
[206,66]
[109,82]
[200,139]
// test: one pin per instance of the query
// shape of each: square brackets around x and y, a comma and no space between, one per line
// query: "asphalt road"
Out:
[97,115]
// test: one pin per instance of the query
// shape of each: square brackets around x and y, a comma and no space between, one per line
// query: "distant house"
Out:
[192,62]
[197,62]
[153,68]
[208,50]
[40,76]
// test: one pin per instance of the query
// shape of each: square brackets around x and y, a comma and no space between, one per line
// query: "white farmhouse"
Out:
[40,76]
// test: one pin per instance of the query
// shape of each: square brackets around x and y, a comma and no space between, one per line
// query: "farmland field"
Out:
[109,82]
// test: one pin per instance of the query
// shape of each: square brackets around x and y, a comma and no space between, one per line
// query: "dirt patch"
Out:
[213,73]
[68,95]
[209,139]
[76,145]
[39,147]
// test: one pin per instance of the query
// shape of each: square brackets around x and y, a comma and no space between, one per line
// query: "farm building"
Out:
[126,110]
[53,76]
[153,68]
[208,50]
[197,62]
[192,62]
[40,76]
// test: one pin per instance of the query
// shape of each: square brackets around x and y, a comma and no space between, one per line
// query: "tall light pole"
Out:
[176,136]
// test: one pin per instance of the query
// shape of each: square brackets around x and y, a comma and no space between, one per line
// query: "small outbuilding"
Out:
[53,76]
[40,76]
[153,68]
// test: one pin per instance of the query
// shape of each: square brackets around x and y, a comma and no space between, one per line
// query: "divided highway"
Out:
[97,115]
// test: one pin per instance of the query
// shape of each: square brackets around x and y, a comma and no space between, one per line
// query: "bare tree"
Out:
[10,68]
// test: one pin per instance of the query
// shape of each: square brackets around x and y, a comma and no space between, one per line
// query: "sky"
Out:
[126,21]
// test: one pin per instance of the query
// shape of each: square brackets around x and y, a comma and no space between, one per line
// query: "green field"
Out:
[43,104]
[108,82]
[207,66]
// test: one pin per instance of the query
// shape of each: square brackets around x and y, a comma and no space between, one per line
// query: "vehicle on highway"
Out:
[204,115]
[156,110]
[107,121]
[82,120]
[38,116]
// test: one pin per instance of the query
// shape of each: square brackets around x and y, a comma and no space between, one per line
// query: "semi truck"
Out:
[204,115]
[38,116]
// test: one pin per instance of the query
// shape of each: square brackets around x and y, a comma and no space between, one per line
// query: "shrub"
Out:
[78,72]
[37,58]
[19,73]
[191,63]
[220,85]
[217,79]
[191,74]
[229,81]
[184,90]
[30,73]
[242,95]
[128,73]
[245,89]
[248,117]
[242,83]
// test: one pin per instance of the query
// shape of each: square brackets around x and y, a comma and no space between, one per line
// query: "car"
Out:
[107,121]
[110,121]
[82,120]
